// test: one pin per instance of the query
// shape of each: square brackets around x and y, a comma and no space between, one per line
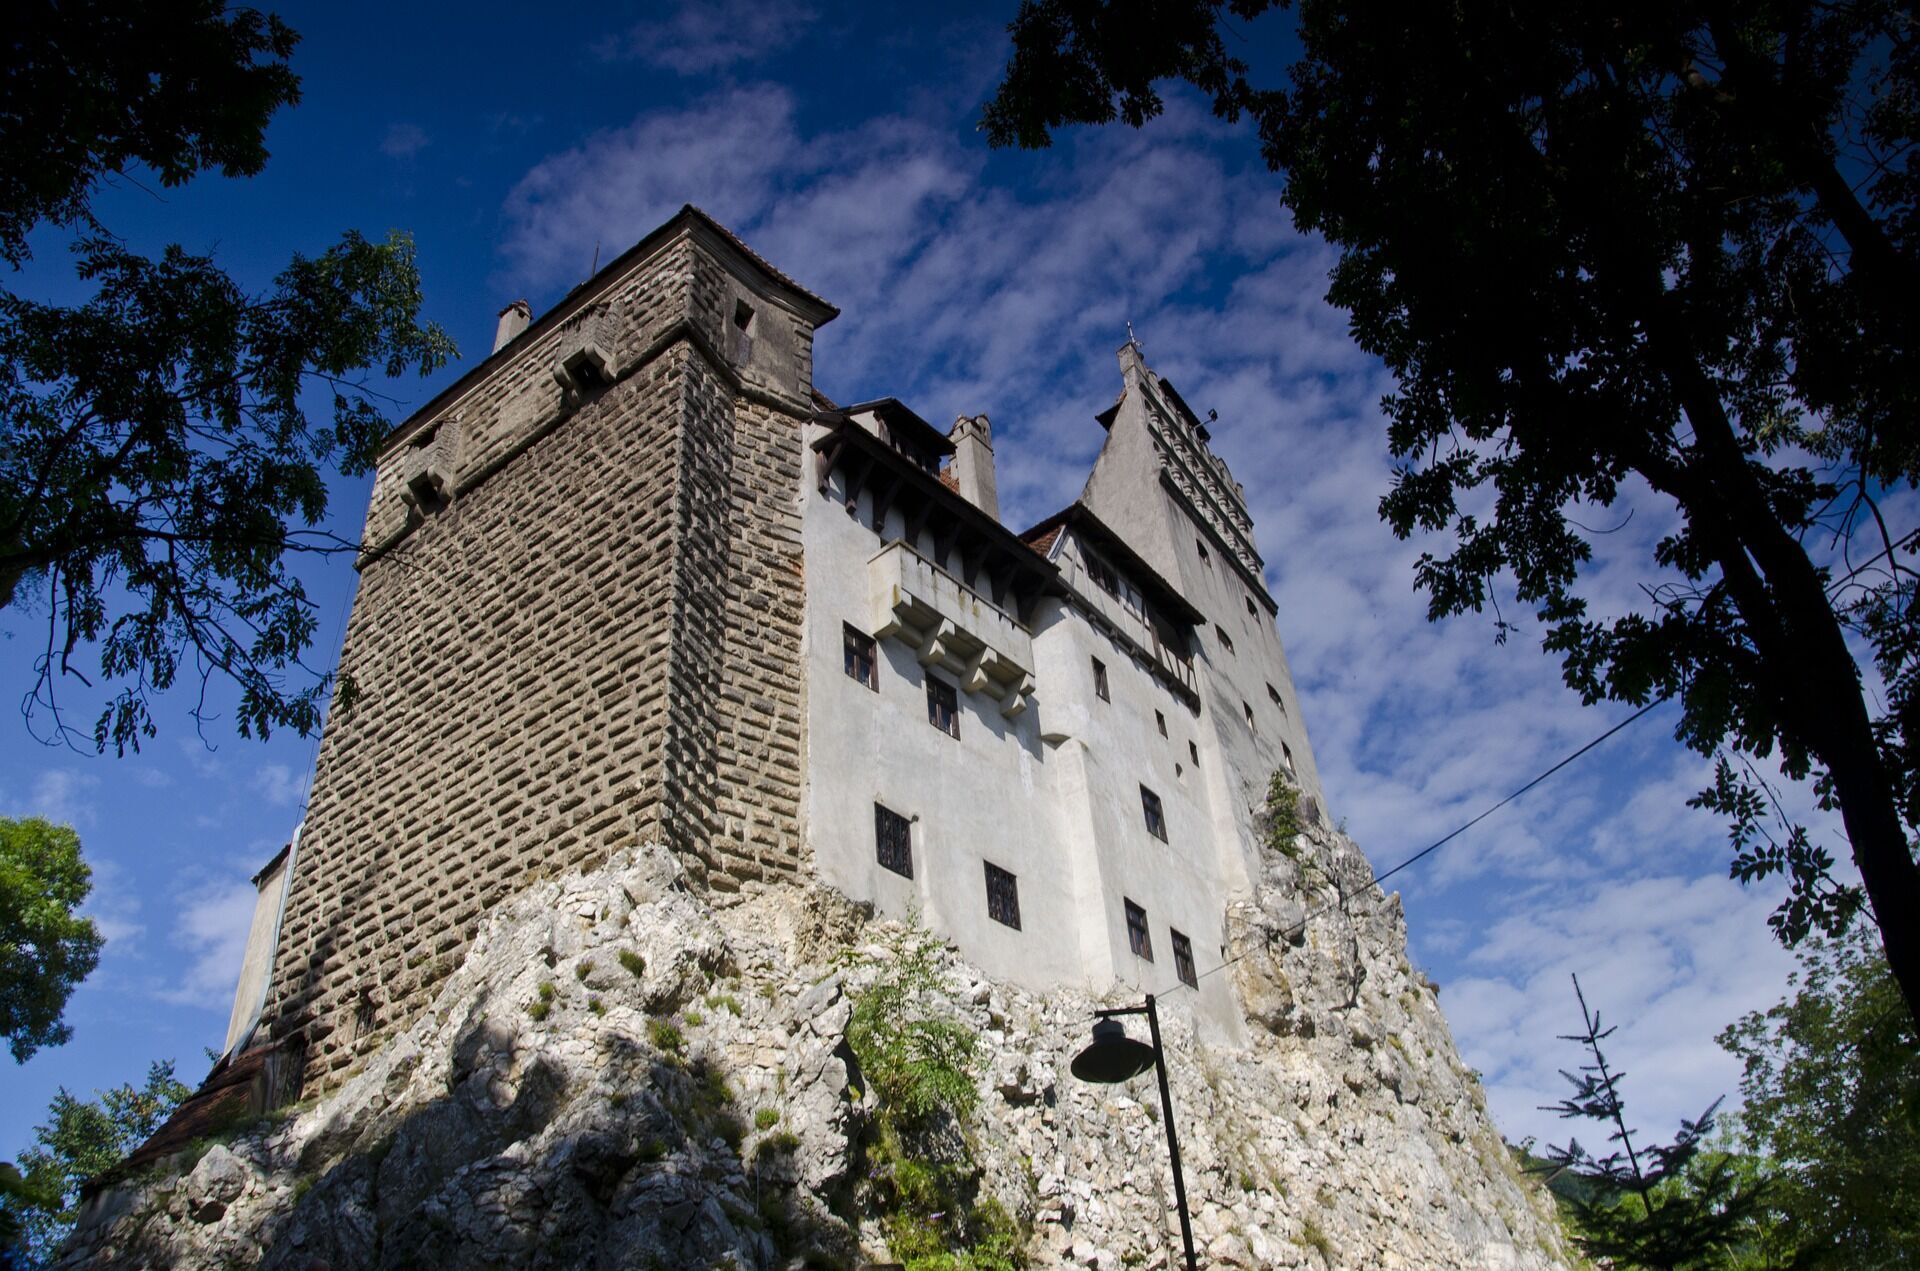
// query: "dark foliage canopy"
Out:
[1609,249]
[158,465]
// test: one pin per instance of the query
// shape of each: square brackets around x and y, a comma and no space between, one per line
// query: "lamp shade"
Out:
[1113,1056]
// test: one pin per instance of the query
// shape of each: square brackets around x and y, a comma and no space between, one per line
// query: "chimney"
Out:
[973,463]
[513,320]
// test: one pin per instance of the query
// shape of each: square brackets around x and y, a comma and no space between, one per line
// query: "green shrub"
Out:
[582,971]
[1281,816]
[665,1037]
[766,1119]
[634,963]
[1313,1238]
[724,1002]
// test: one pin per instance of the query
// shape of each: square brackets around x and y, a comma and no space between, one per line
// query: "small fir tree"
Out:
[1633,1213]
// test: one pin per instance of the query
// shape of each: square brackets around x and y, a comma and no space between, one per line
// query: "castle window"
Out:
[1003,896]
[1137,937]
[861,664]
[1100,680]
[1250,608]
[1160,722]
[892,841]
[1183,959]
[743,317]
[1202,549]
[1249,713]
[1156,819]
[943,708]
[1274,693]
[1193,753]
[1286,757]
[1226,641]
[1102,575]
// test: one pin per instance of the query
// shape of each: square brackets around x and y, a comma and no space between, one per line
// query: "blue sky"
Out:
[516,142]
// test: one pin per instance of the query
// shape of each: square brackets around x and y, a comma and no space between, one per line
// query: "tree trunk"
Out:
[1808,667]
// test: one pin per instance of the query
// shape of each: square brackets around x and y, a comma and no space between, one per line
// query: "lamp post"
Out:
[1112,1057]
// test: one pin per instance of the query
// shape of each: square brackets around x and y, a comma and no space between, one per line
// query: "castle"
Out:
[632,578]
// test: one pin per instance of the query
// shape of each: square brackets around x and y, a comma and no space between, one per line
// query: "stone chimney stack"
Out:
[973,463]
[514,319]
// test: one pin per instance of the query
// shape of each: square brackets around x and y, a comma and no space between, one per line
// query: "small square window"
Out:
[1156,819]
[1100,680]
[1138,938]
[1183,959]
[892,841]
[1193,753]
[1003,896]
[742,317]
[1248,710]
[861,664]
[1160,722]
[1286,757]
[1226,641]
[1251,609]
[943,708]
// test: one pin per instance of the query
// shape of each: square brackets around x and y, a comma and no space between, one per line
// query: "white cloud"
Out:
[278,784]
[702,36]
[211,928]
[404,141]
[60,795]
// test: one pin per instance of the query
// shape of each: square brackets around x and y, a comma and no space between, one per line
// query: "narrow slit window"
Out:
[1183,959]
[861,662]
[1274,693]
[892,841]
[1202,549]
[943,707]
[1250,609]
[1248,711]
[1138,938]
[1100,680]
[1160,722]
[1156,818]
[1193,752]
[1286,757]
[1003,896]
[1226,641]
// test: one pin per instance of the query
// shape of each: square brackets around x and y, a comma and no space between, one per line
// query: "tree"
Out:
[158,468]
[80,1140]
[1607,250]
[46,949]
[1831,1091]
[1665,1206]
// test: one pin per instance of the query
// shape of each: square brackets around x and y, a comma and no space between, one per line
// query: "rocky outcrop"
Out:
[621,1075]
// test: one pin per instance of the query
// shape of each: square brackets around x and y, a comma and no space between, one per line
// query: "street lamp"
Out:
[1113,1056]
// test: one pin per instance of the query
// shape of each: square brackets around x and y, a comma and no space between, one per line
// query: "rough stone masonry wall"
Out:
[545,666]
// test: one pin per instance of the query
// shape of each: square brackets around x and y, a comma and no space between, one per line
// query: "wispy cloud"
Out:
[278,784]
[211,928]
[61,795]
[404,141]
[703,36]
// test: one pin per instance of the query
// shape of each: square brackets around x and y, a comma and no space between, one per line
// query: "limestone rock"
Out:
[558,1107]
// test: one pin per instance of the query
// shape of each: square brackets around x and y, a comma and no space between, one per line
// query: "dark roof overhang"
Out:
[896,481]
[1162,595]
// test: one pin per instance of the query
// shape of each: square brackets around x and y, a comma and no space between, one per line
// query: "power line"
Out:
[1437,844]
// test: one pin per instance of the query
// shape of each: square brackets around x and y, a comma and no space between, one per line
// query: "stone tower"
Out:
[577,628]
